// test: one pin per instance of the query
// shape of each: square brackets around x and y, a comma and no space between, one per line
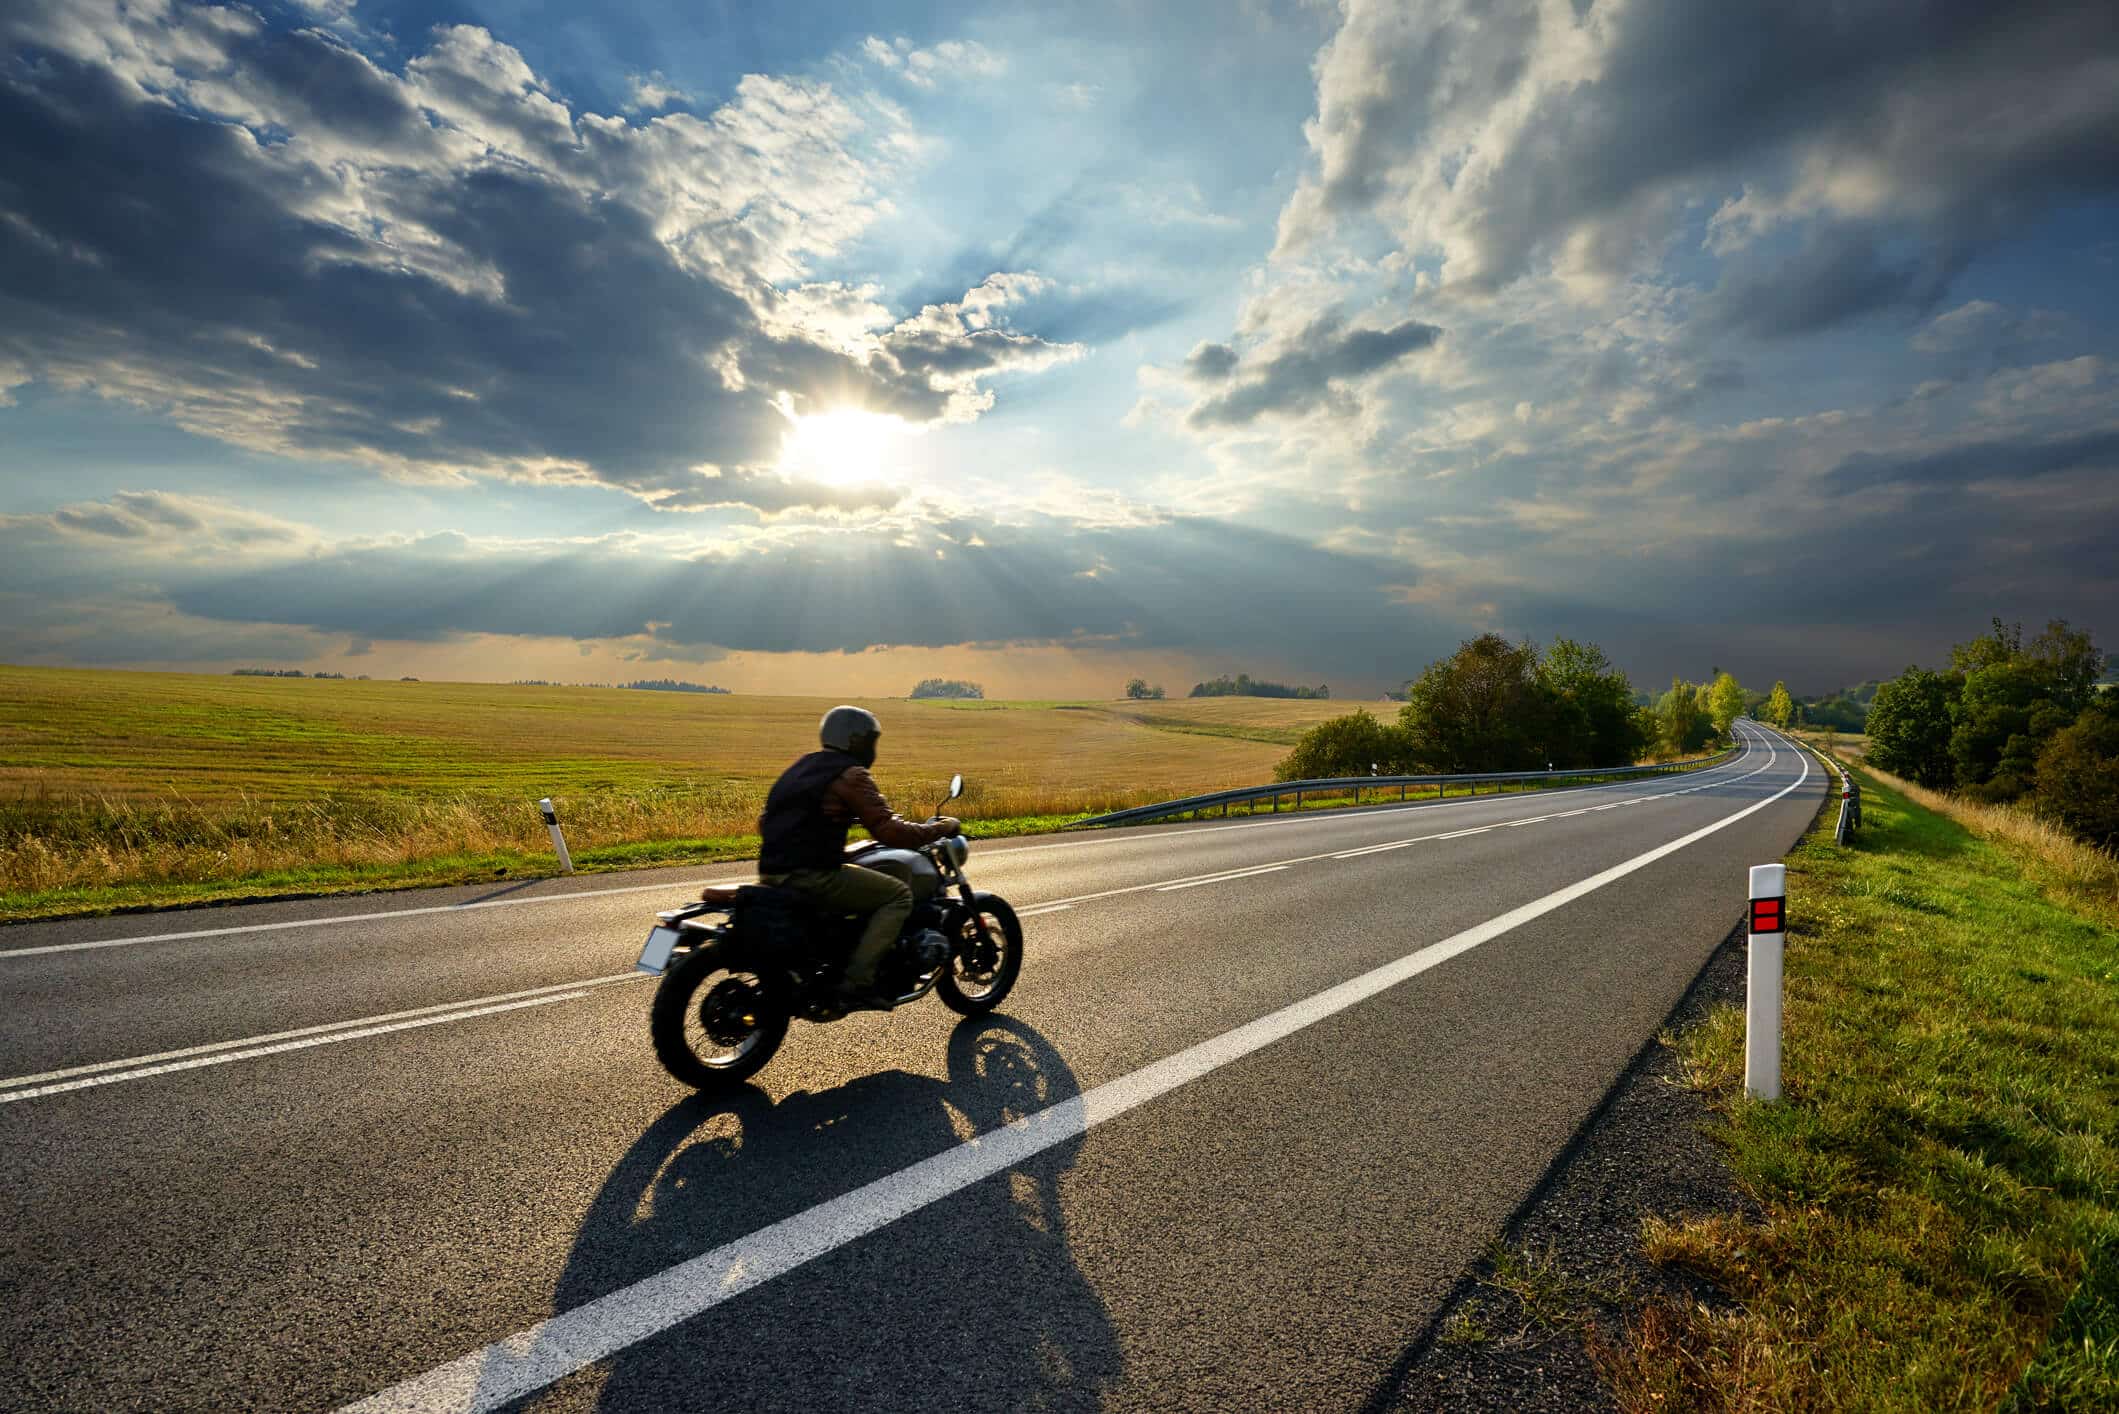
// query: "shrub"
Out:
[1346,746]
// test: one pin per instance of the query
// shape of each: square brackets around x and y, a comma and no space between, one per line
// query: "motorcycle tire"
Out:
[681,1004]
[978,999]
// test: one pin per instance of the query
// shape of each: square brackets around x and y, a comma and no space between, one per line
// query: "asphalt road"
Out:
[1273,1084]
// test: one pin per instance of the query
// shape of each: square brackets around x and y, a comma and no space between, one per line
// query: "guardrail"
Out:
[1849,797]
[1340,785]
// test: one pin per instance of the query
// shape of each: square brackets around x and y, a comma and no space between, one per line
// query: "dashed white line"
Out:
[1221,878]
[457,1006]
[195,1062]
[678,887]
[222,1052]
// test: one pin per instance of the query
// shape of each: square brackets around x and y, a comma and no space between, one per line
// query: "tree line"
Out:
[1244,685]
[2010,720]
[1494,705]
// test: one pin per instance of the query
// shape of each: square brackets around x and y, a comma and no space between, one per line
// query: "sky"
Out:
[824,347]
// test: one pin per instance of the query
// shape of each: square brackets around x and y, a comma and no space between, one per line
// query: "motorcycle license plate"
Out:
[655,957]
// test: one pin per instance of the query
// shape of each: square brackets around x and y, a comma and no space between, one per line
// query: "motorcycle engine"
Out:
[926,949]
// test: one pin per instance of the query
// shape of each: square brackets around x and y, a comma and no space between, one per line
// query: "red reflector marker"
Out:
[1766,915]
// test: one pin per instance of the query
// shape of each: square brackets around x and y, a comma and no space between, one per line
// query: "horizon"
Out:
[817,354]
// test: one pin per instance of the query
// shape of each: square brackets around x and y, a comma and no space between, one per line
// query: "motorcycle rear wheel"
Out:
[714,1026]
[973,984]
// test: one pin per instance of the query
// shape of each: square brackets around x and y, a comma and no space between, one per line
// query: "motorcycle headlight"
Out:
[958,849]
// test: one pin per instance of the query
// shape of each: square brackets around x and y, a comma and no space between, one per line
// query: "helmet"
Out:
[852,730]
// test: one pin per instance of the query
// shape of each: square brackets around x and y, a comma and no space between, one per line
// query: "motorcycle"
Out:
[743,962]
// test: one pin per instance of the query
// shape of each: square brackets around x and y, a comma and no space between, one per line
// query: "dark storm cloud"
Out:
[2001,459]
[1300,373]
[1952,120]
[1837,276]
[1187,584]
[433,269]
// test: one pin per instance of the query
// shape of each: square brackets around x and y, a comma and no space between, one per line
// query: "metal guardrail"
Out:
[1849,798]
[1339,785]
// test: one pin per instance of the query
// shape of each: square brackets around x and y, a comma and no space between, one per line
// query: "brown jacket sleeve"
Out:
[857,794]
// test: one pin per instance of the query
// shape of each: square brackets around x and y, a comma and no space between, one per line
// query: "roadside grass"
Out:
[1940,1186]
[133,790]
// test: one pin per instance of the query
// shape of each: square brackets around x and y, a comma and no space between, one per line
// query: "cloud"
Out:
[164,521]
[1503,136]
[1301,372]
[651,93]
[1982,324]
[925,68]
[445,271]
[1170,585]
[1840,274]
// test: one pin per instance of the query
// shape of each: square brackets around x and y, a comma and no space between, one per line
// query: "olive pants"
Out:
[851,889]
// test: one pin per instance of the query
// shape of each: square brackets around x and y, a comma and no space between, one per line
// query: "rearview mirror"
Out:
[956,788]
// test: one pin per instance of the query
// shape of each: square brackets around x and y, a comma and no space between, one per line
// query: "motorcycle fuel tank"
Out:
[911,866]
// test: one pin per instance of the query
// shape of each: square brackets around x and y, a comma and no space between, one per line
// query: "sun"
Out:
[843,447]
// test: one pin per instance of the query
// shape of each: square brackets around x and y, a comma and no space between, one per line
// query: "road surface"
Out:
[1264,1090]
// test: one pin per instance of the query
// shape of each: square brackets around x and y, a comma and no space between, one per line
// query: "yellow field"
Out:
[115,780]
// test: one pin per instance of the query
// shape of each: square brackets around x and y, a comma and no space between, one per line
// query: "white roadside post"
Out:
[1762,981]
[559,841]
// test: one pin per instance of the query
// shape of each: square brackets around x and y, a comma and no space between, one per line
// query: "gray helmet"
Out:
[852,730]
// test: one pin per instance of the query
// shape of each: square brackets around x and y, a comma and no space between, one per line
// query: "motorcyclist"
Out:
[803,840]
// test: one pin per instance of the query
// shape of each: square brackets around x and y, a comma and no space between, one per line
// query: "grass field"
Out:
[1940,1186]
[121,789]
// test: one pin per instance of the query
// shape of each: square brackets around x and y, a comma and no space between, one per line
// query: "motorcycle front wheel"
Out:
[981,972]
[714,1026]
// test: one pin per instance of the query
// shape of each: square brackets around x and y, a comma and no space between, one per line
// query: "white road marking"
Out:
[211,1046]
[113,1077]
[1375,849]
[1221,878]
[253,1047]
[1128,837]
[362,917]
[551,1350]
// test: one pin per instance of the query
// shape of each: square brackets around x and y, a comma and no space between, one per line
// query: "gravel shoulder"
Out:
[1521,1328]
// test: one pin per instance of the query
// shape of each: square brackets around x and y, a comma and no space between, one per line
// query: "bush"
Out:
[2078,776]
[1346,746]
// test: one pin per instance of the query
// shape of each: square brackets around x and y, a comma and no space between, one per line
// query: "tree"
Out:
[948,687]
[1589,710]
[1681,717]
[1480,709]
[1780,707]
[1139,691]
[1909,726]
[1725,702]
[1346,746]
[2078,775]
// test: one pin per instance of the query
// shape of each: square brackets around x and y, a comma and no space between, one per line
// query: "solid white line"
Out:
[211,1046]
[551,1350]
[1460,834]
[1221,878]
[5,954]
[1127,837]
[1043,908]
[113,1077]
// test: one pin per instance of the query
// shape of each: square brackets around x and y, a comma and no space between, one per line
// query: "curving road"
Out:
[1264,1090]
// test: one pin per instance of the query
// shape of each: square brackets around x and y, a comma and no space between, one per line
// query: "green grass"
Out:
[1940,1186]
[132,789]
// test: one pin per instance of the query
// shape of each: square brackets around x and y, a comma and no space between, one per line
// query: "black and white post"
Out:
[559,840]
[1762,981]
